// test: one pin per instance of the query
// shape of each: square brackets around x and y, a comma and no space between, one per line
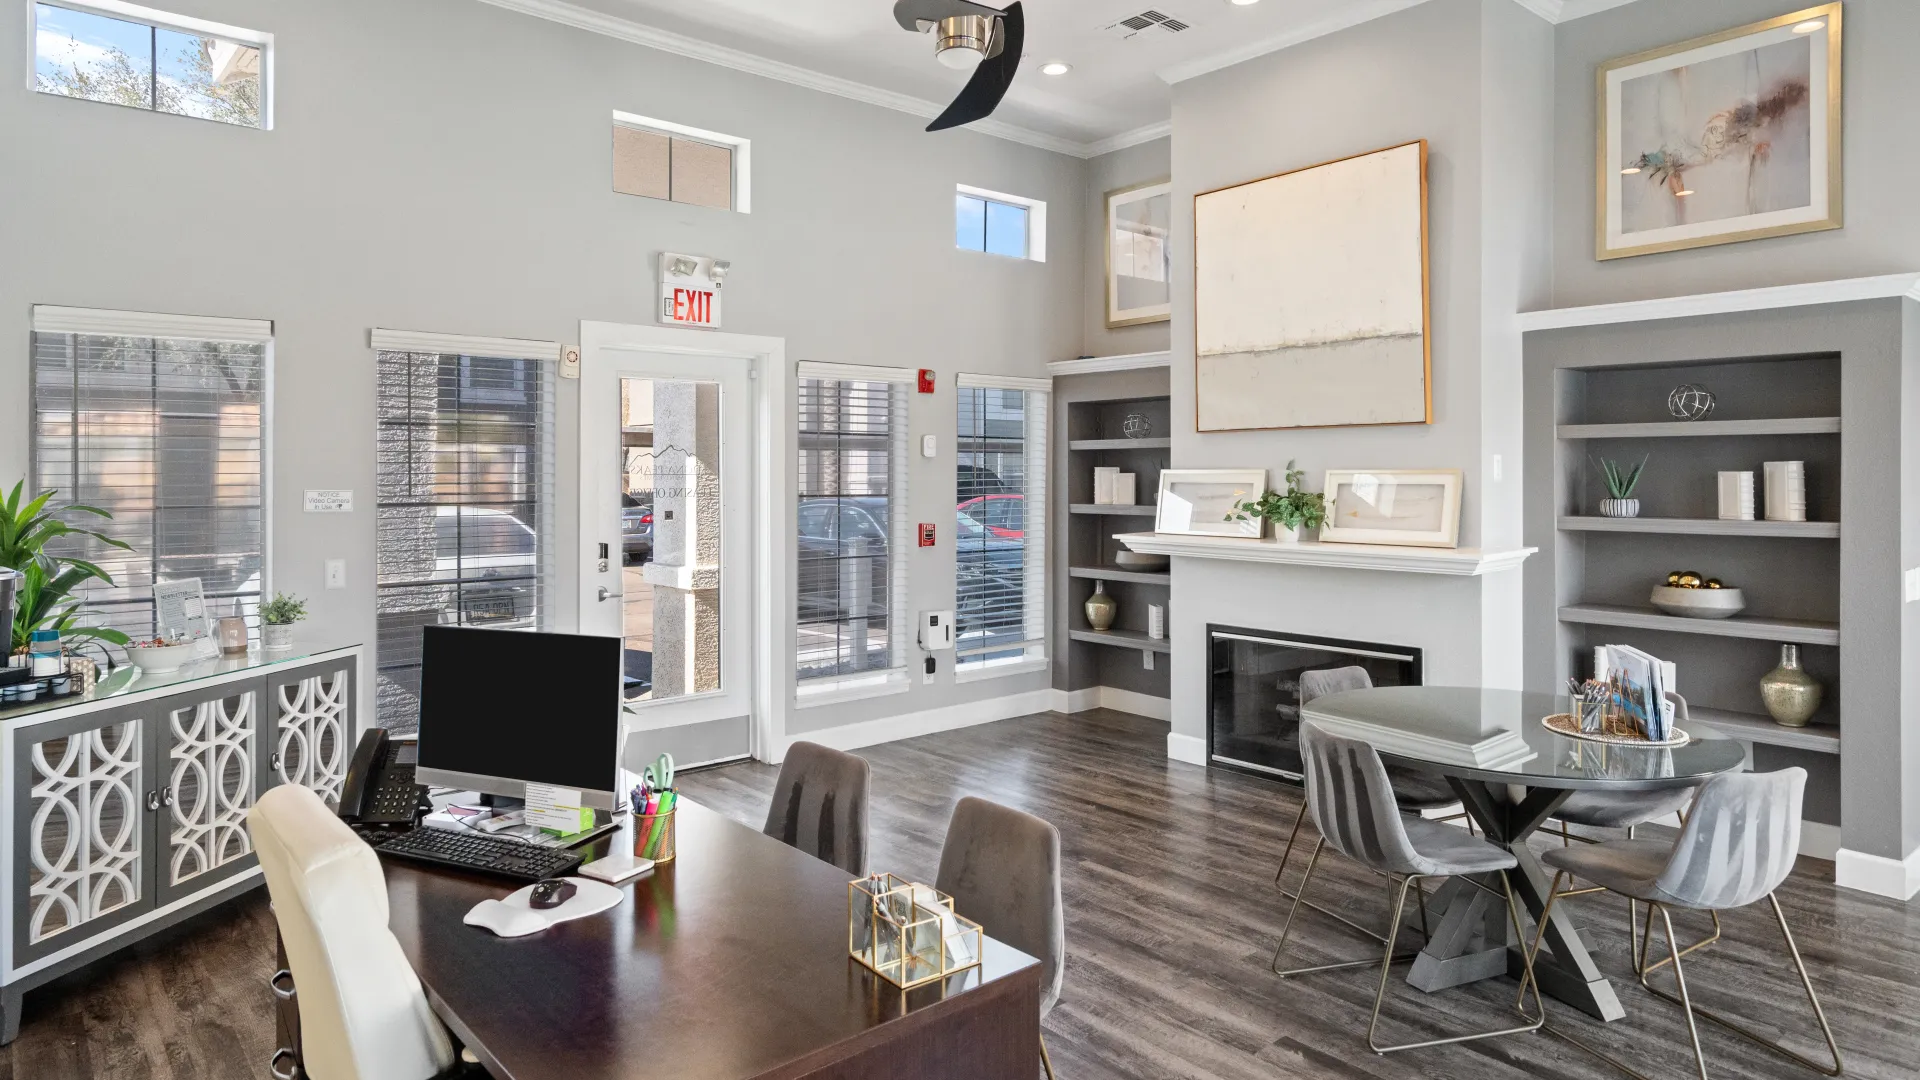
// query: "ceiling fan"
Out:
[969,35]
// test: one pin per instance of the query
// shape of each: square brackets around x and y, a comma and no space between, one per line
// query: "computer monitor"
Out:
[501,709]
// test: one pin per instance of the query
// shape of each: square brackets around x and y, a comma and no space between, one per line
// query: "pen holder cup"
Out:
[653,836]
[906,933]
[1592,715]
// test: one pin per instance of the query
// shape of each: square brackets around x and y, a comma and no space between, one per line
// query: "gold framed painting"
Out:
[1729,137]
[1139,277]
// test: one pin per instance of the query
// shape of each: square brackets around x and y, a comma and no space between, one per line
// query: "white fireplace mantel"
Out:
[1460,562]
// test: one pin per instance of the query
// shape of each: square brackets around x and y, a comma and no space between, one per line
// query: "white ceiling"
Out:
[1117,93]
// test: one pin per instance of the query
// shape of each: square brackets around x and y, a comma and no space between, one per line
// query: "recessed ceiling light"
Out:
[1055,67]
[1244,3]
[1809,26]
[1629,170]
[1688,191]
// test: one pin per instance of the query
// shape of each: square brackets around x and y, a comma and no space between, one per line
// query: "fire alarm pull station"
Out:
[926,534]
[926,380]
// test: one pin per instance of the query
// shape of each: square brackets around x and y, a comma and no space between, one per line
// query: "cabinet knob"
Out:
[153,800]
[166,797]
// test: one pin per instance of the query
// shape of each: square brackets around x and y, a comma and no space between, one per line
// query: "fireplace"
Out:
[1253,691]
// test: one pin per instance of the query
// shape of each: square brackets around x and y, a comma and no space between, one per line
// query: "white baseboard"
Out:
[1188,748]
[1108,697]
[1819,840]
[1877,874]
[909,725]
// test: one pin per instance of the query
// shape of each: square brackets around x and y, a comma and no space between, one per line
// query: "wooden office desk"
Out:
[728,963]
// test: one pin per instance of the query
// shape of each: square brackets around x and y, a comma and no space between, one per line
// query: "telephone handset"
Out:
[380,788]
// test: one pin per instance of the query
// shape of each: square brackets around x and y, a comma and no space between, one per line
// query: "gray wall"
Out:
[1462,74]
[1882,234]
[1142,164]
[443,165]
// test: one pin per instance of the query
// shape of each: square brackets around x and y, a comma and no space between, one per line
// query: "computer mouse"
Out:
[551,893]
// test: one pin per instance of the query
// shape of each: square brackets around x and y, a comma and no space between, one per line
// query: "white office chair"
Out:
[362,1013]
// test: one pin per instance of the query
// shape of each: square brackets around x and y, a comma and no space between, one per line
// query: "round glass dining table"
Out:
[1511,772]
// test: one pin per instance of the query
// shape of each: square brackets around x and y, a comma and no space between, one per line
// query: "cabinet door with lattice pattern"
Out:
[210,743]
[85,804]
[312,709]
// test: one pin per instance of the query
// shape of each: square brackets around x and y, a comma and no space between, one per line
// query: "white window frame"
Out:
[828,690]
[1036,219]
[1037,613]
[165,20]
[742,150]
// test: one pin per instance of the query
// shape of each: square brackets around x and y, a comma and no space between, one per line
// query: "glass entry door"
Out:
[665,462]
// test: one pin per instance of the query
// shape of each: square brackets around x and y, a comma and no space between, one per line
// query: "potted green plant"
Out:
[1291,512]
[277,617]
[1621,480]
[41,583]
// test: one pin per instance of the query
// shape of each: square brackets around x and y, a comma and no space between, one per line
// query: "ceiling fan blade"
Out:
[991,79]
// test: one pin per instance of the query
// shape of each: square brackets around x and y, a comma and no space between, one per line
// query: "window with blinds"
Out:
[852,520]
[166,433]
[464,469]
[1000,529]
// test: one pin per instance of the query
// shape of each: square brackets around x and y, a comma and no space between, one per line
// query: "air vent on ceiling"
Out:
[1147,20]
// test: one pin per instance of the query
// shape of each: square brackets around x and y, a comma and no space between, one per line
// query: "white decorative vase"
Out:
[1284,535]
[1620,508]
[277,637]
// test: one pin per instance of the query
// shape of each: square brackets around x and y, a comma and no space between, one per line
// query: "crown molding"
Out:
[1143,134]
[1353,14]
[1551,10]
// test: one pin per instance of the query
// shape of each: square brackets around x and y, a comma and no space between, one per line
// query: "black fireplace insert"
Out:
[1253,691]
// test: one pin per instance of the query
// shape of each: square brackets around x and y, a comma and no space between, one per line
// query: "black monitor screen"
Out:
[536,708]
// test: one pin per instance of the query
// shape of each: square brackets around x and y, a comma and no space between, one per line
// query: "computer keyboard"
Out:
[468,850]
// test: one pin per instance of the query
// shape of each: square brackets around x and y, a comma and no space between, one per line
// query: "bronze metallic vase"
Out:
[1791,695]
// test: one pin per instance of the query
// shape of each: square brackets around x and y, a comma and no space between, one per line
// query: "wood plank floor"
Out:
[1171,921]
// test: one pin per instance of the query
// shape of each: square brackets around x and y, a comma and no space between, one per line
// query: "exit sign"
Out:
[690,289]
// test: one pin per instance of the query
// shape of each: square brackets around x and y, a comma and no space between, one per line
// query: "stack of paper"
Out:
[1639,687]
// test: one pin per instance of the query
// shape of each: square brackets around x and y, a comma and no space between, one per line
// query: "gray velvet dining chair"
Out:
[1737,846]
[820,805]
[1414,792]
[1002,868]
[1352,803]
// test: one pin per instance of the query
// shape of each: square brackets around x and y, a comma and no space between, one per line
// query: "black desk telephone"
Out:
[380,788]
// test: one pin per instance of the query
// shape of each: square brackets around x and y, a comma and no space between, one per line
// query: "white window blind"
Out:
[161,421]
[1000,587]
[464,481]
[852,519]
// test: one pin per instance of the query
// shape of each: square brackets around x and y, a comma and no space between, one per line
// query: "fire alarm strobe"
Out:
[926,380]
[926,534]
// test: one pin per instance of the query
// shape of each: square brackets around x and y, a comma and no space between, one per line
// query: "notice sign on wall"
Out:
[690,289]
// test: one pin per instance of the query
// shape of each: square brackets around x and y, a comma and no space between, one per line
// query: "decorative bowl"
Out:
[155,659]
[1699,603]
[1139,560]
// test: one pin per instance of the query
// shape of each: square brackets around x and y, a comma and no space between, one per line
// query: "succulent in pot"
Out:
[1622,479]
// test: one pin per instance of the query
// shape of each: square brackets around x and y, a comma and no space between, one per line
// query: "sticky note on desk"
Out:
[556,808]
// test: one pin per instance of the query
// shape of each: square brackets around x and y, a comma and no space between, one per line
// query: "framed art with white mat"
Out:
[1204,502]
[1405,507]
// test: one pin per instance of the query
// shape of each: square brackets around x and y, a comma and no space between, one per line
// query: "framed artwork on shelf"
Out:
[1310,297]
[1200,502]
[1139,273]
[1404,507]
[1729,137]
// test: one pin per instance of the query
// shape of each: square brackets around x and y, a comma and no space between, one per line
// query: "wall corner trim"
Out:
[1840,291]
[1188,748]
[1877,874]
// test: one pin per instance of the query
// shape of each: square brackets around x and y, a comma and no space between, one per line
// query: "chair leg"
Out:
[1686,1000]
[1292,837]
[1299,899]
[1046,1063]
[1286,857]
[1386,963]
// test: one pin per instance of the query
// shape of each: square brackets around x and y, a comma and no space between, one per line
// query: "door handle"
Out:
[274,763]
[153,800]
[608,594]
[166,796]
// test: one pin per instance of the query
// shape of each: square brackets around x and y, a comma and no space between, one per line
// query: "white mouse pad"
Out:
[515,916]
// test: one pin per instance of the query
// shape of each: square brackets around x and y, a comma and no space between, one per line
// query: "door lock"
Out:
[607,594]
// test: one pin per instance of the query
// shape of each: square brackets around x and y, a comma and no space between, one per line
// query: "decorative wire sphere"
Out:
[1137,426]
[1690,401]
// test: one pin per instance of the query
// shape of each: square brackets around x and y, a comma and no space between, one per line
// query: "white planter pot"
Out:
[1284,535]
[1620,508]
[277,637]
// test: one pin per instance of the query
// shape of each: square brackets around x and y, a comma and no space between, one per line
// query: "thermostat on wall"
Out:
[936,630]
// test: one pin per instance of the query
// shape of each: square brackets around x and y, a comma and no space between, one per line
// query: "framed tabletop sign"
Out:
[1729,137]
[1202,502]
[1406,507]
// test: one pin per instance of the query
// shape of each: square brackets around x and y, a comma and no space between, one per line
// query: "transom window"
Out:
[122,54]
[996,223]
[661,160]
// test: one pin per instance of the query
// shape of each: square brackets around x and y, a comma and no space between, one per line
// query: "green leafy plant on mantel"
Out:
[283,610]
[1621,477]
[45,598]
[1293,510]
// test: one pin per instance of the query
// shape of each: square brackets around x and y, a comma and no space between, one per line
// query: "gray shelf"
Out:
[1816,530]
[1124,639]
[1820,738]
[1120,573]
[1119,444]
[1112,509]
[1795,425]
[1796,631]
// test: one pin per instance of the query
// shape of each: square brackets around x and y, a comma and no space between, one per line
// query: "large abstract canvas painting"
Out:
[1725,138]
[1310,297]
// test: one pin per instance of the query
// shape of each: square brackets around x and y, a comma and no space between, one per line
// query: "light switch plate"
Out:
[1499,467]
[929,446]
[336,573]
[1913,584]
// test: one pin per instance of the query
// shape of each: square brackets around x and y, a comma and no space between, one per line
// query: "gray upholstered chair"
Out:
[1002,868]
[820,805]
[1353,806]
[1736,848]
[1415,792]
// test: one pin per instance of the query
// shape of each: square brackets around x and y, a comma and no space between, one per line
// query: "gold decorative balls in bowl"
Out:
[1696,596]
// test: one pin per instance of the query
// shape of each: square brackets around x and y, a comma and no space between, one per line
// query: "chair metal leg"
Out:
[1287,857]
[1386,964]
[1292,837]
[1046,1062]
[1299,899]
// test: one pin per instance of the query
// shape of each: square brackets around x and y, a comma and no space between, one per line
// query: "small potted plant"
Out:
[277,617]
[1621,480]
[1291,512]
